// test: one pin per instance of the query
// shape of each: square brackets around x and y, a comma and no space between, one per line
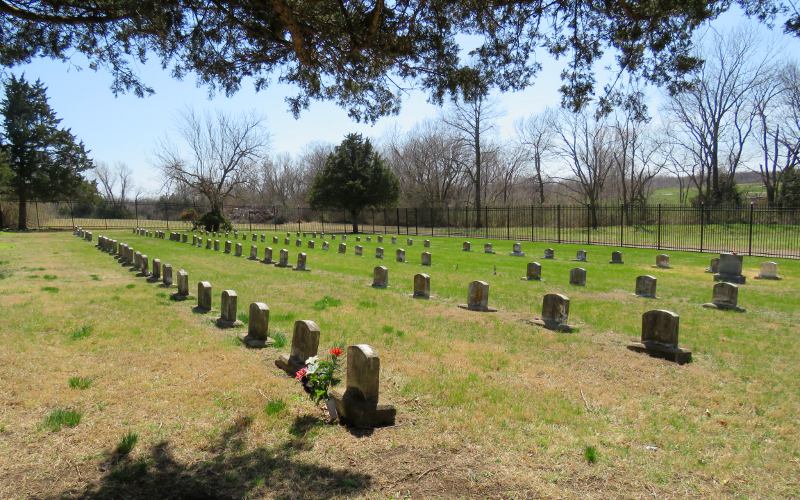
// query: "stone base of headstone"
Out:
[730,278]
[254,342]
[723,307]
[304,269]
[773,278]
[615,262]
[477,309]
[552,325]
[179,297]
[517,254]
[287,265]
[153,278]
[285,363]
[663,351]
[359,413]
[224,323]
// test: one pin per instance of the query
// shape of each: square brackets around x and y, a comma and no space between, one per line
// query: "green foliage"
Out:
[790,189]
[50,289]
[354,177]
[274,407]
[46,161]
[590,454]
[214,221]
[278,340]
[189,215]
[61,417]
[326,302]
[81,333]
[80,382]
[127,443]
[319,375]
[243,317]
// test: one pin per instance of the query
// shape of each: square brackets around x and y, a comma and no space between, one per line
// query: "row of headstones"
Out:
[298,241]
[356,405]
[728,267]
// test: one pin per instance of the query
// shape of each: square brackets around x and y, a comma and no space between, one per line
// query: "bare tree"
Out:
[223,151]
[473,118]
[585,147]
[116,183]
[537,135]
[715,115]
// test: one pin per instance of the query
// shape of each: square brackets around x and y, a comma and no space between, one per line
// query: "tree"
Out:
[46,161]
[790,188]
[536,134]
[353,52]
[354,177]
[223,152]
[116,184]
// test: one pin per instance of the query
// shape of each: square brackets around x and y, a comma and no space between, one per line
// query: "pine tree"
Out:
[45,161]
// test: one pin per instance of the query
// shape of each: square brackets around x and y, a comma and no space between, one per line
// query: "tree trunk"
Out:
[477,181]
[770,195]
[354,219]
[539,178]
[22,221]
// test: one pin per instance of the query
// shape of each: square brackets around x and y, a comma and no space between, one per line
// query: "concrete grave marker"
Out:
[144,267]
[400,255]
[228,306]
[228,246]
[359,250]
[725,296]
[549,253]
[555,313]
[394,240]
[311,244]
[216,245]
[342,248]
[422,286]
[357,405]
[730,268]
[662,261]
[581,256]
[305,344]
[325,245]
[426,243]
[478,297]
[274,240]
[517,250]
[534,272]
[203,296]
[616,257]
[646,286]
[267,255]
[238,252]
[301,262]
[283,259]
[426,259]
[380,239]
[577,276]
[253,252]
[155,276]
[466,246]
[183,286]
[487,248]
[298,243]
[768,271]
[166,279]
[379,253]
[380,277]
[409,242]
[660,337]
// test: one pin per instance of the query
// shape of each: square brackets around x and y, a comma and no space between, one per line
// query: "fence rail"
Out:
[747,230]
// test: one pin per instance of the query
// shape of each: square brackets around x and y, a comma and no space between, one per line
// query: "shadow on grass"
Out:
[231,472]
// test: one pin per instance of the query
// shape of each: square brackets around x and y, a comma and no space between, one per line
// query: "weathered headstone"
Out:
[369,238]
[344,237]
[203,296]
[379,252]
[730,268]
[409,242]
[137,261]
[394,240]
[311,244]
[267,255]
[287,241]
[549,253]
[301,262]
[478,297]
[216,245]
[228,246]
[263,240]
[358,238]
[555,313]
[713,265]
[646,286]
[517,250]
[305,344]
[534,272]
[228,313]
[183,286]
[342,247]
[660,337]
[466,246]
[400,255]
[380,239]
[144,267]
[166,279]
[581,256]
[283,259]
[662,261]
[298,243]
[577,276]
[616,257]
[255,237]
[422,286]
[253,252]
[426,258]
[357,405]
[325,245]
[274,240]
[208,243]
[380,277]
[359,250]
[238,252]
[155,276]
[487,248]
[768,271]
[725,296]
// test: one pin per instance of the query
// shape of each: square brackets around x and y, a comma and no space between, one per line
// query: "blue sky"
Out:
[127,129]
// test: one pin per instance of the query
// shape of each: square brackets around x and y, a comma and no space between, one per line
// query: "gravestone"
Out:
[228,306]
[478,297]
[616,258]
[549,253]
[426,259]
[305,344]
[228,246]
[662,261]
[208,244]
[257,326]
[166,279]
[203,296]
[263,240]
[517,250]
[301,262]
[581,256]
[267,255]
[155,276]
[555,313]
[768,271]
[344,237]
[255,237]
[274,240]
[137,260]
[426,243]
[466,246]
[253,252]
[380,239]
[380,277]
[144,267]
[216,245]
[394,240]
[725,296]
[357,405]
[283,258]
[311,244]
[359,250]
[298,243]
[183,286]
[287,241]
[646,286]
[325,245]
[379,253]
[577,276]
[487,248]
[358,238]
[342,247]
[409,242]
[238,252]
[730,268]
[660,337]
[534,272]
[400,255]
[369,238]
[422,286]
[713,265]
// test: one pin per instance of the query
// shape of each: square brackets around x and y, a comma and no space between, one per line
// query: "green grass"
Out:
[80,382]
[279,340]
[671,196]
[274,407]
[590,454]
[50,289]
[61,417]
[127,443]
[326,302]
[81,333]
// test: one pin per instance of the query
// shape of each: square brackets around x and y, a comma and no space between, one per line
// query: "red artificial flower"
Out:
[336,352]
[300,374]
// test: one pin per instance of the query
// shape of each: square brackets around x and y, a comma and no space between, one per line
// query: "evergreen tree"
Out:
[790,188]
[354,177]
[45,161]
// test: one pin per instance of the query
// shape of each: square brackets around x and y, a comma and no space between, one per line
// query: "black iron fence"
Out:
[747,230]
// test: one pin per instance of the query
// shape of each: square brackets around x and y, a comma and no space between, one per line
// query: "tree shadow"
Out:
[270,471]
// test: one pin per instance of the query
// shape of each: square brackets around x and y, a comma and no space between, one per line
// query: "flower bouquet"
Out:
[319,375]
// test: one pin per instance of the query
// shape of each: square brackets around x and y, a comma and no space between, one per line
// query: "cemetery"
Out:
[431,374]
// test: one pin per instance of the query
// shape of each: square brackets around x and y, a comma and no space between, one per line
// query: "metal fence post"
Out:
[136,210]
[558,220]
[588,224]
[702,225]
[750,235]
[71,214]
[621,224]
[397,213]
[532,222]
[508,223]
[416,223]
[166,216]
[486,221]
[659,226]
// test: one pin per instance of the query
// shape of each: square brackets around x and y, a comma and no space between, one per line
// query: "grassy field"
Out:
[671,196]
[109,389]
